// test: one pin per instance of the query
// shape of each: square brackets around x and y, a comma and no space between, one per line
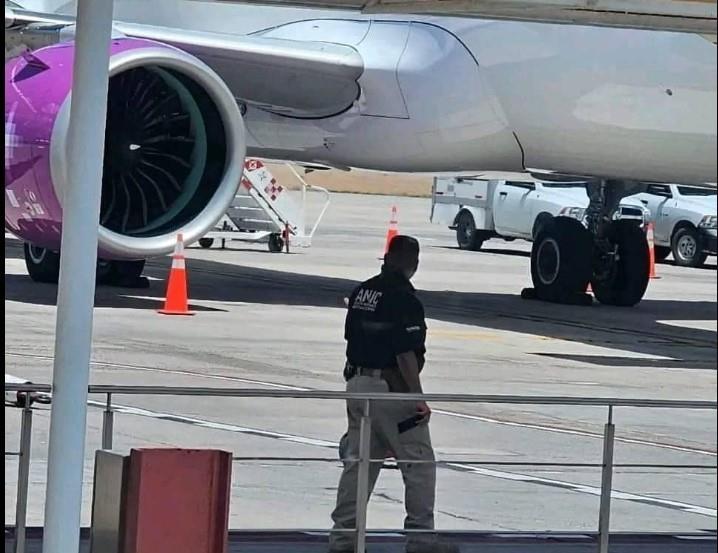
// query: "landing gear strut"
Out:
[43,265]
[610,254]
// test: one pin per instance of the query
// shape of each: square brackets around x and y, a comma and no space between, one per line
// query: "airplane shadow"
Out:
[640,329]
[498,251]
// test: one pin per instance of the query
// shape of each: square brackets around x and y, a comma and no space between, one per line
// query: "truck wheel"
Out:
[42,264]
[206,242]
[466,234]
[687,247]
[627,280]
[561,260]
[661,253]
[276,243]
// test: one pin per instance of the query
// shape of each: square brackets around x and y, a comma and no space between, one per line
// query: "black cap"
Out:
[403,246]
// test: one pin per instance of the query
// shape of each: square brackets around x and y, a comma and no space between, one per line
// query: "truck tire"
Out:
[687,247]
[561,260]
[467,237]
[661,253]
[626,282]
[42,264]
[206,242]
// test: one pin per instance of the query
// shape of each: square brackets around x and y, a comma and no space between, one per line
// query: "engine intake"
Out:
[174,148]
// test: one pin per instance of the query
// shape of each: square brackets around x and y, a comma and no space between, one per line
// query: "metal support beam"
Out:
[23,476]
[108,424]
[604,510]
[76,289]
[363,478]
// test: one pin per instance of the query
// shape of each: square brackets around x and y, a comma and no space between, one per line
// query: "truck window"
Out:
[521,184]
[660,190]
[695,191]
[564,184]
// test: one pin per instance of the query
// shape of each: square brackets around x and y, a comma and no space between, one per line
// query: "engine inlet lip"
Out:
[115,245]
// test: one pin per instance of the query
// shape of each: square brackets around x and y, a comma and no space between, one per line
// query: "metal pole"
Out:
[363,478]
[76,289]
[108,419]
[23,477]
[604,510]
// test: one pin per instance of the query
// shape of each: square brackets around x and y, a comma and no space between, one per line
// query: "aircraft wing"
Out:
[694,16]
[295,78]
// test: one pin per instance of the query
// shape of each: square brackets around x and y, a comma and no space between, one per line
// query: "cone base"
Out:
[169,312]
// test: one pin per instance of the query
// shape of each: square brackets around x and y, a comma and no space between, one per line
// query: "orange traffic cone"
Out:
[651,252]
[393,229]
[176,301]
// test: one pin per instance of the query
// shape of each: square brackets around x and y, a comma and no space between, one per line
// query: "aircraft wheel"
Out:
[126,274]
[626,281]
[42,264]
[561,262]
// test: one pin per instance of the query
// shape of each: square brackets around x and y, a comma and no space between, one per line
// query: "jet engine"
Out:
[174,148]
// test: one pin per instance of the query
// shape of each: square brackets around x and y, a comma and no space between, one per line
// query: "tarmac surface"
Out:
[275,321]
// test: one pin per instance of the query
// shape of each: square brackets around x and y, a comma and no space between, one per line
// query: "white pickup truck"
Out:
[684,220]
[480,208]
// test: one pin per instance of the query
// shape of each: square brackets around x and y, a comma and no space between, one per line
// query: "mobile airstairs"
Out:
[265,211]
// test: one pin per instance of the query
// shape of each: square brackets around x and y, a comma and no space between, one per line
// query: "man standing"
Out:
[385,333]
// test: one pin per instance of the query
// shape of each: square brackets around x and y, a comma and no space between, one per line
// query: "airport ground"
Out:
[275,320]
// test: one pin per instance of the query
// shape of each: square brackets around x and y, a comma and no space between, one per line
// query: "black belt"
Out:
[350,371]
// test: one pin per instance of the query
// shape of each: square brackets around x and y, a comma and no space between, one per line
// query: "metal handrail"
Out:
[338,395]
[364,458]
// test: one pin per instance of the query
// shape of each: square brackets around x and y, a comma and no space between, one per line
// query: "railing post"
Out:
[604,510]
[23,476]
[363,478]
[108,419]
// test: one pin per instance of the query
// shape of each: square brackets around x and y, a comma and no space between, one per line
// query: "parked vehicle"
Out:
[480,208]
[684,219]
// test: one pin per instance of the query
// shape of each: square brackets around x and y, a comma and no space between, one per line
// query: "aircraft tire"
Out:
[561,261]
[43,265]
[627,280]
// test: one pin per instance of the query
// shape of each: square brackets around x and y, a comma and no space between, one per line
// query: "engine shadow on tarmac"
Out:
[638,330]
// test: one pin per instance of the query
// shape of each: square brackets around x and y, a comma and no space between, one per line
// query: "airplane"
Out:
[195,85]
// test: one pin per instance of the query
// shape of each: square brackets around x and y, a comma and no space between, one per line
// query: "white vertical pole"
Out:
[76,290]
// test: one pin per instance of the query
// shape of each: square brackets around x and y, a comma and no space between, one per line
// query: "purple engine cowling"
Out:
[174,148]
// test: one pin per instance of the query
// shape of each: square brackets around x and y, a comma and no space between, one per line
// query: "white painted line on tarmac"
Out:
[138,411]
[503,475]
[583,433]
[592,490]
[490,420]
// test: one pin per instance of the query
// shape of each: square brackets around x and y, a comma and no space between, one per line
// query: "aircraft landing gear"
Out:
[43,265]
[610,254]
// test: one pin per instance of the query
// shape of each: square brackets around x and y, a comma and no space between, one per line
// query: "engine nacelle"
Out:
[174,148]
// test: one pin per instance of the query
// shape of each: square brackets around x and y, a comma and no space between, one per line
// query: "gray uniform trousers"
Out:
[419,478]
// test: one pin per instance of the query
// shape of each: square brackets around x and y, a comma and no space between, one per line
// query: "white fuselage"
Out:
[455,94]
